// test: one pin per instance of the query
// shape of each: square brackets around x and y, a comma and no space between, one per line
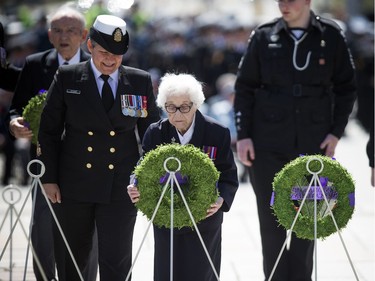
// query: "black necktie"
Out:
[107,95]
[65,63]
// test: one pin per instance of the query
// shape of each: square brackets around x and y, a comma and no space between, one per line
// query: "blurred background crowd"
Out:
[204,37]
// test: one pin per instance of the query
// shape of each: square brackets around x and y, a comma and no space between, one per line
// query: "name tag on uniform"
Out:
[72,91]
[274,45]
[134,106]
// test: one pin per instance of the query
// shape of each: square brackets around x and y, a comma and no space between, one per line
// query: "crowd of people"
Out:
[267,86]
[207,45]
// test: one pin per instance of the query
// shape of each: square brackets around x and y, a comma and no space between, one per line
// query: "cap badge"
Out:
[117,35]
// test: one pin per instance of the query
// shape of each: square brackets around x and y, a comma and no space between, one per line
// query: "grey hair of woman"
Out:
[183,84]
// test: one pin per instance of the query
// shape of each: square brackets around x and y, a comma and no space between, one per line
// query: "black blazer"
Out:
[37,74]
[91,153]
[207,132]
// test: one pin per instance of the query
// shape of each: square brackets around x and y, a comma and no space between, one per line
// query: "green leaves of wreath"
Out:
[293,176]
[32,113]
[200,190]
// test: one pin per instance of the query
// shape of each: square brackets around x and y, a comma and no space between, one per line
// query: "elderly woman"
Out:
[180,96]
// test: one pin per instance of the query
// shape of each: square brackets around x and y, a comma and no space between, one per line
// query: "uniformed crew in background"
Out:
[8,72]
[67,31]
[295,89]
[89,146]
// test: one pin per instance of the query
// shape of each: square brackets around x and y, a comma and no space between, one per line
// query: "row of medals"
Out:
[134,106]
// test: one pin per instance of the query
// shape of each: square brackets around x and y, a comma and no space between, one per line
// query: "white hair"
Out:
[69,12]
[177,85]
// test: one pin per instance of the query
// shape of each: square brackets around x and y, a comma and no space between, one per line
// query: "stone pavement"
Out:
[241,254]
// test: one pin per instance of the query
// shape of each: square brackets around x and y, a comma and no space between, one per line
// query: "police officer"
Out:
[295,89]
[89,146]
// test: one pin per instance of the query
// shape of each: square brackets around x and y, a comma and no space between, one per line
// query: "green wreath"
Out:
[33,111]
[290,186]
[198,176]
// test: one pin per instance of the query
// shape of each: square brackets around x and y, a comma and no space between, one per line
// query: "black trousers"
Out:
[114,226]
[189,259]
[296,264]
[42,238]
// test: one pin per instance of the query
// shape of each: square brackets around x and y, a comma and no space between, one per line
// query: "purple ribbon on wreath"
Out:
[179,177]
[42,91]
[298,192]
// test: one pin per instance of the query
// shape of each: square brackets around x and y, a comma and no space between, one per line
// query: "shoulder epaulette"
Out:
[269,23]
[328,22]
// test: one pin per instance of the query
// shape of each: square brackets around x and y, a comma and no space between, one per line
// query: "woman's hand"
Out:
[133,193]
[52,191]
[215,207]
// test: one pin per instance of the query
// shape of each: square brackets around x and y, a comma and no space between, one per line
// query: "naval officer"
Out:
[88,144]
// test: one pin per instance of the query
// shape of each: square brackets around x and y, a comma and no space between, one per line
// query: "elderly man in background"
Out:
[66,32]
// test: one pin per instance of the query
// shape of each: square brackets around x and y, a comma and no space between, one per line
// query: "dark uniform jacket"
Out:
[88,152]
[36,75]
[207,132]
[9,77]
[283,108]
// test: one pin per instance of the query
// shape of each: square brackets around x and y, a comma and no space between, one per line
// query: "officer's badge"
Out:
[117,35]
[274,37]
[38,150]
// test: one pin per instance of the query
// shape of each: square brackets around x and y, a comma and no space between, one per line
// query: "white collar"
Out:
[75,59]
[184,139]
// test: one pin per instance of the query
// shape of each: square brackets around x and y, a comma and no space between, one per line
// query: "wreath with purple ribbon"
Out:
[294,183]
[197,178]
[33,111]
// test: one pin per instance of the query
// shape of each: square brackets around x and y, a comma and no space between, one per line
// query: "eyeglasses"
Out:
[285,1]
[184,108]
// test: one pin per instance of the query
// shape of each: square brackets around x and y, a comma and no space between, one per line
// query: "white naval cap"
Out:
[110,32]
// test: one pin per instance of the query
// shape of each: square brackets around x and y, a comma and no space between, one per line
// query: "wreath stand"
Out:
[12,195]
[11,202]
[315,182]
[172,180]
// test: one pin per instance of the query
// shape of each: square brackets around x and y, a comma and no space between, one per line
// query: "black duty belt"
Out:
[296,90]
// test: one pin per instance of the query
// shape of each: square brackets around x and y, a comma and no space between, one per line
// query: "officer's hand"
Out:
[18,129]
[133,193]
[245,151]
[52,191]
[329,145]
[215,207]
